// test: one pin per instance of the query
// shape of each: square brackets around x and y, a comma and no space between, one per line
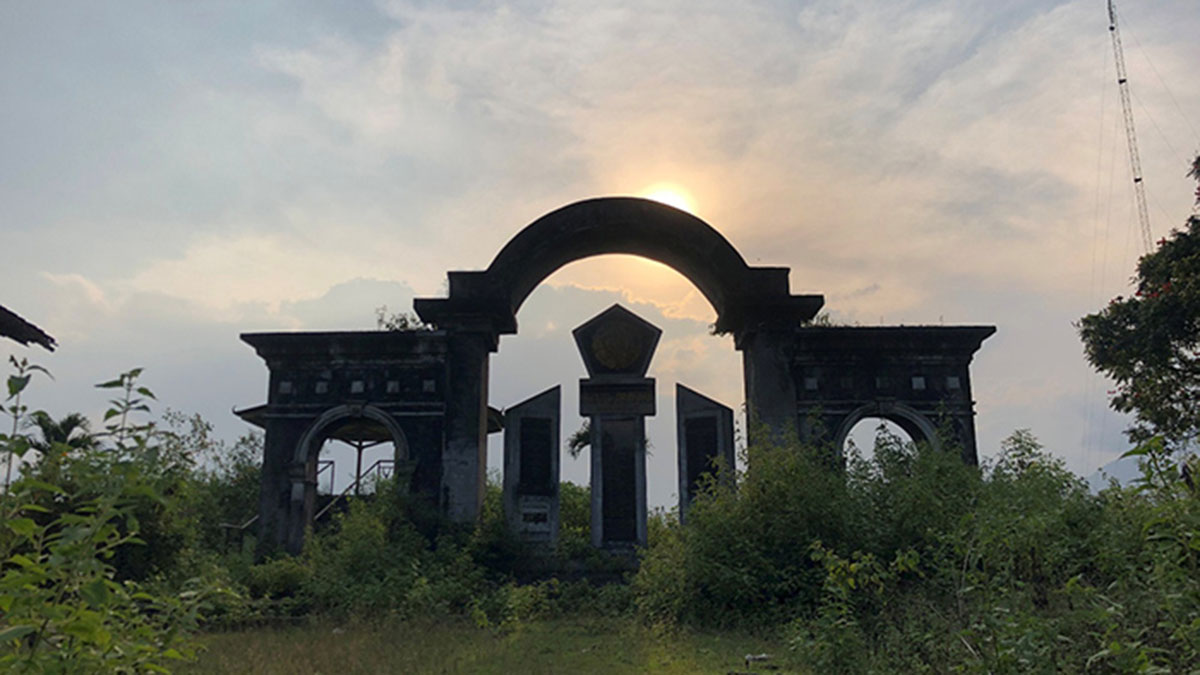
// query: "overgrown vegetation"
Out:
[914,562]
[72,588]
[907,561]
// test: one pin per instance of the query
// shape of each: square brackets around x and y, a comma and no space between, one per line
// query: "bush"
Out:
[574,521]
[63,607]
[743,557]
[913,562]
[66,545]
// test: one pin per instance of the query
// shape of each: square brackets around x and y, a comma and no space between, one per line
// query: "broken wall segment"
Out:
[704,430]
[918,377]
[532,430]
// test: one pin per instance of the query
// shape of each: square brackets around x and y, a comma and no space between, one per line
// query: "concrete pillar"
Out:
[618,458]
[302,503]
[275,485]
[464,460]
[770,386]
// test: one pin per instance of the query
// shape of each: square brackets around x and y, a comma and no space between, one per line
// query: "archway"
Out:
[309,445]
[795,377]
[753,303]
[738,292]
[687,353]
[345,422]
[914,425]
[867,433]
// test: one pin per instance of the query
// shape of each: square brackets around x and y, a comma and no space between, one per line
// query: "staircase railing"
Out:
[382,469]
[322,465]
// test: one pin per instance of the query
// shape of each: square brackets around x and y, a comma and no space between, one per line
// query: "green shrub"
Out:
[914,562]
[280,578]
[64,605]
[744,555]
[574,521]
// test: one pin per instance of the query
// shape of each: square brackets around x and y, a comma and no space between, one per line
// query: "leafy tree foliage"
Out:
[1149,343]
[72,430]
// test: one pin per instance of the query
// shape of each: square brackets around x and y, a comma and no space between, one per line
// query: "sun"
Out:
[671,195]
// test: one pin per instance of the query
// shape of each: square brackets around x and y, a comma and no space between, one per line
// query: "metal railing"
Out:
[381,470]
[322,465]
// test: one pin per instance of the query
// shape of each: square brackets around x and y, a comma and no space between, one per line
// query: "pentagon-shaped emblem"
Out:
[617,342]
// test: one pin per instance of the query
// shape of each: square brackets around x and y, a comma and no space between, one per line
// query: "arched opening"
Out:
[687,352]
[872,434]
[354,456]
[352,426]
[883,426]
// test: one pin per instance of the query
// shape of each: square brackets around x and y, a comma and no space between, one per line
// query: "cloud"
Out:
[222,274]
[182,177]
[86,287]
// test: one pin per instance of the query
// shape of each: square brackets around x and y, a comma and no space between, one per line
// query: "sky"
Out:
[175,174]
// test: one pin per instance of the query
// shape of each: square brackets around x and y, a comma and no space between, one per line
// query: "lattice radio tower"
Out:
[1135,162]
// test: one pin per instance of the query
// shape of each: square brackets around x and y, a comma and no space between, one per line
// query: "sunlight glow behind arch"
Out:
[671,195]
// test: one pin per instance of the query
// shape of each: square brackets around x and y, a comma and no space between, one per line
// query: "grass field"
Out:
[552,646]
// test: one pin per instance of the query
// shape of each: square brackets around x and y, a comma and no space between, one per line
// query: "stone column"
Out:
[275,481]
[464,460]
[301,503]
[770,385]
[618,449]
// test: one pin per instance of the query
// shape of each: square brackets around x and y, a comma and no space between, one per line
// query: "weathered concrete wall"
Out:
[915,376]
[704,429]
[392,384]
[532,442]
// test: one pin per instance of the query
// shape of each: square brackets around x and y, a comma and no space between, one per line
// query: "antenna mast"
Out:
[1135,162]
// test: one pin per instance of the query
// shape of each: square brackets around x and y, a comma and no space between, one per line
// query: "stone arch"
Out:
[630,225]
[914,423]
[620,225]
